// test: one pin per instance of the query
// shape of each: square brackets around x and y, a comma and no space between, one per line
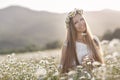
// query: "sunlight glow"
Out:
[63,5]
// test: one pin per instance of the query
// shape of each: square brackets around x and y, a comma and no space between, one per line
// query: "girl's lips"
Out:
[81,27]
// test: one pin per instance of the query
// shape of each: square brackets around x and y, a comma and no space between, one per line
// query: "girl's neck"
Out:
[79,37]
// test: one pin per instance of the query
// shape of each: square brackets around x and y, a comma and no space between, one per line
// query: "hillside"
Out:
[20,27]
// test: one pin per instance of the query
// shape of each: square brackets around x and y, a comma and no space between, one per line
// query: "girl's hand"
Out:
[87,61]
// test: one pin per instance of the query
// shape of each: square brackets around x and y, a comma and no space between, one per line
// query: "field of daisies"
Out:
[41,67]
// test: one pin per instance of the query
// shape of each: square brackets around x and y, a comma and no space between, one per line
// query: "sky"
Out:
[62,6]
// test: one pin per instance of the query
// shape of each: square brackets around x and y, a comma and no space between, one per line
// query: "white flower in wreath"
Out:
[71,15]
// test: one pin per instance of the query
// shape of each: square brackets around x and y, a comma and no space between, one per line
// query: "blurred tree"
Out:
[116,33]
[107,35]
[53,45]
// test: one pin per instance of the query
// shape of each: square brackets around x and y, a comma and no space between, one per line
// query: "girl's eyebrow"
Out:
[81,18]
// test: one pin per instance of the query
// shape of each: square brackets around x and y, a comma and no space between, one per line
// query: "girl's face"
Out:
[79,23]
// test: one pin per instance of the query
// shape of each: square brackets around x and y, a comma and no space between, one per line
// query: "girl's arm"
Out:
[97,42]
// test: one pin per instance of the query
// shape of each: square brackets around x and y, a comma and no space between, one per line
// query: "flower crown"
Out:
[72,14]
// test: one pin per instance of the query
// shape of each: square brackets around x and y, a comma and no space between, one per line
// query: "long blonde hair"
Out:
[70,54]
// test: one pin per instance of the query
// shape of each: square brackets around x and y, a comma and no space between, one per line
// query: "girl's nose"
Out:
[80,24]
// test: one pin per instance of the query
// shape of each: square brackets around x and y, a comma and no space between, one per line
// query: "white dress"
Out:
[81,50]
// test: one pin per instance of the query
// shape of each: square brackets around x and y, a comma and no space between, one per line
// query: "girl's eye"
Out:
[81,19]
[75,22]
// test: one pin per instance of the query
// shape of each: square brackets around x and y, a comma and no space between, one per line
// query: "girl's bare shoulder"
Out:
[96,40]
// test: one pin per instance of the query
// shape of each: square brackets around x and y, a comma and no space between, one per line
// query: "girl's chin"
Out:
[81,31]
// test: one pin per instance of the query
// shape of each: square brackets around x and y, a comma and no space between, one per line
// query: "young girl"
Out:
[79,42]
